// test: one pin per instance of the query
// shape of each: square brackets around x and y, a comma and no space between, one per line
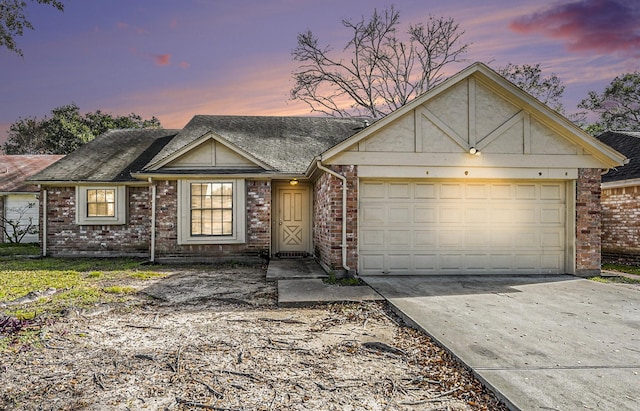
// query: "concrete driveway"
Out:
[540,343]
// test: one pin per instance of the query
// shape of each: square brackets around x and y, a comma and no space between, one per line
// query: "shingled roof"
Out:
[627,143]
[110,157]
[287,144]
[16,169]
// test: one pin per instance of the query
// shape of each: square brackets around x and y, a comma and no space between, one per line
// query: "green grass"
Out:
[615,279]
[629,269]
[11,249]
[78,282]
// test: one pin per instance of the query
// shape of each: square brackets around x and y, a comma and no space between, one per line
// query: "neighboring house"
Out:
[18,199]
[621,201]
[409,194]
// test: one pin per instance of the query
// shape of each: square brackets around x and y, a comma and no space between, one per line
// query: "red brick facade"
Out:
[588,222]
[327,218]
[621,225]
[258,217]
[66,238]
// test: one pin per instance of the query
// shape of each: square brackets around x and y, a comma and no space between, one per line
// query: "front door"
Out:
[292,220]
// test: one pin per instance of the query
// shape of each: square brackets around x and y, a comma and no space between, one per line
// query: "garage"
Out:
[23,208]
[462,227]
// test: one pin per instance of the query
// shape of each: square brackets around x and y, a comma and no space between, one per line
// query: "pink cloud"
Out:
[173,23]
[162,59]
[184,65]
[602,26]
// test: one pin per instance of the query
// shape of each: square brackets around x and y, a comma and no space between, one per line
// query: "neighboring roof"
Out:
[110,157]
[16,169]
[628,143]
[607,156]
[287,144]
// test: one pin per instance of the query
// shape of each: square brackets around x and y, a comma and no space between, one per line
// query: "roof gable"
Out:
[479,109]
[281,144]
[210,152]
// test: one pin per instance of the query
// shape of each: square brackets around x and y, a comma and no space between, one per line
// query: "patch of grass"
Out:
[79,282]
[346,281]
[11,249]
[147,275]
[615,279]
[118,289]
[629,269]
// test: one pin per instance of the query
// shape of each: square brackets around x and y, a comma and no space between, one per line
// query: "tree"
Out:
[66,130]
[618,107]
[548,90]
[13,21]
[16,229]
[377,72]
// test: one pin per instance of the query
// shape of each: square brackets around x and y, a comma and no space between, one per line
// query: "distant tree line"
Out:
[66,130]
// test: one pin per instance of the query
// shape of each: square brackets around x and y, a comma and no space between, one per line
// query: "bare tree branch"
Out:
[377,72]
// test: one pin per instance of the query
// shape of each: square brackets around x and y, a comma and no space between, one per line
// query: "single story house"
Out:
[18,199]
[473,177]
[621,201]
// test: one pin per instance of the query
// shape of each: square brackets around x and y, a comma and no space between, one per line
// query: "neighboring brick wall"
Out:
[588,222]
[258,238]
[66,238]
[621,225]
[327,225]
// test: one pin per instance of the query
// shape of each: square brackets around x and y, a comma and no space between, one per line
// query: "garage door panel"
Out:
[399,238]
[425,239]
[417,227]
[425,214]
[400,214]
[400,190]
[425,191]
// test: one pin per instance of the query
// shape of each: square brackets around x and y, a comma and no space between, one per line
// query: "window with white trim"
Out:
[101,205]
[211,211]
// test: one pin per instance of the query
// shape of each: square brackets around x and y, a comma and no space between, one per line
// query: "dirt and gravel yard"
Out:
[213,338]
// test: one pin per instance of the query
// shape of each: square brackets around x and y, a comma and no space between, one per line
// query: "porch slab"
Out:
[301,292]
[294,268]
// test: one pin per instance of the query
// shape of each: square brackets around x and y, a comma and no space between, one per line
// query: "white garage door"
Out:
[451,227]
[23,209]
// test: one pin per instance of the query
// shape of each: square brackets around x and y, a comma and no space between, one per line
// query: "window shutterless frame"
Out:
[101,205]
[211,211]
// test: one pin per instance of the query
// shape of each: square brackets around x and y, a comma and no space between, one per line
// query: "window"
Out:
[101,205]
[101,202]
[211,208]
[211,212]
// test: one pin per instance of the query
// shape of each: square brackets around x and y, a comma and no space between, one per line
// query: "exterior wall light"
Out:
[293,182]
[474,151]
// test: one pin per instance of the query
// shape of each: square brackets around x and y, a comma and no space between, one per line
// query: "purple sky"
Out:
[174,59]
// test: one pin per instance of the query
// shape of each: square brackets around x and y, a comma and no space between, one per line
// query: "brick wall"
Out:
[66,238]
[621,225]
[588,222]
[327,211]
[258,238]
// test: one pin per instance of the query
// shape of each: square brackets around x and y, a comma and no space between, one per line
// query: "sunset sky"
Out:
[174,59]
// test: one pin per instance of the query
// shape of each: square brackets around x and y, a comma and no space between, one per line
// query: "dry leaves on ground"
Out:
[228,350]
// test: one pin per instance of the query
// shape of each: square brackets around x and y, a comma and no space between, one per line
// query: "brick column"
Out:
[588,222]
